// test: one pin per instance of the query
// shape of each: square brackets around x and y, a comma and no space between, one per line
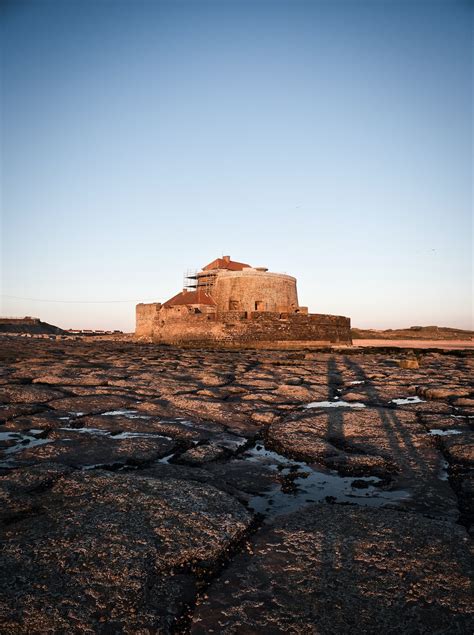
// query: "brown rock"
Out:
[84,450]
[27,394]
[201,454]
[108,549]
[333,569]
[408,363]
[91,404]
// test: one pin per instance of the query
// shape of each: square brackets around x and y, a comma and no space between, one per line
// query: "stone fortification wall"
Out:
[239,307]
[250,290]
[145,318]
[233,329]
[295,327]
[171,329]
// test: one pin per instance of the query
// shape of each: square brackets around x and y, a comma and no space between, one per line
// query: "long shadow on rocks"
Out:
[368,441]
[414,451]
[334,570]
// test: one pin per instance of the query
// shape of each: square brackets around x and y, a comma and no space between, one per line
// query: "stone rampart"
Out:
[229,304]
[145,318]
[237,329]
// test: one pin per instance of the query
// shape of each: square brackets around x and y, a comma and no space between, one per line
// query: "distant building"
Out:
[234,304]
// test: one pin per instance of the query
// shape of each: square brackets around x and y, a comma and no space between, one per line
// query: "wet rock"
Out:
[116,399]
[90,404]
[11,411]
[427,407]
[18,489]
[459,450]
[113,552]
[361,484]
[387,443]
[201,454]
[363,465]
[220,412]
[300,440]
[86,450]
[238,477]
[139,423]
[379,394]
[40,420]
[443,422]
[463,483]
[333,569]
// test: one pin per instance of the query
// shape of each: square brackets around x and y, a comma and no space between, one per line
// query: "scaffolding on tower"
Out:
[190,280]
[203,280]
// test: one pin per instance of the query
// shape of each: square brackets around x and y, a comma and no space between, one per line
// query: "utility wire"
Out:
[15,297]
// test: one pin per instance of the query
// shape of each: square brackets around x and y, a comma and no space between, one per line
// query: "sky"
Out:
[328,140]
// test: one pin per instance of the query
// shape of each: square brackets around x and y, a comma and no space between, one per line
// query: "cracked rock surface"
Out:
[337,569]
[98,548]
[148,489]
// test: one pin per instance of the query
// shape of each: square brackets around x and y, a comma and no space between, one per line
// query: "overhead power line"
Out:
[15,297]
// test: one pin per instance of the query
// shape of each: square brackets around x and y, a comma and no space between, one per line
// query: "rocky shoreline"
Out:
[150,489]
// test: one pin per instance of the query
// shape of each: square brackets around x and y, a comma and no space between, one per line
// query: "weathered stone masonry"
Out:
[231,304]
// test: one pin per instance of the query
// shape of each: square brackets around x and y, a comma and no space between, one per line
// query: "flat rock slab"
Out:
[381,442]
[18,489]
[25,394]
[459,450]
[239,478]
[90,404]
[201,454]
[9,411]
[86,450]
[111,553]
[333,569]
[103,552]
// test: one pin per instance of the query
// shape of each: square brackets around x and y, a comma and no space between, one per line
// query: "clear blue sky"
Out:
[330,140]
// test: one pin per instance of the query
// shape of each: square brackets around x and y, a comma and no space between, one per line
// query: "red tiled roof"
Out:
[190,297]
[225,263]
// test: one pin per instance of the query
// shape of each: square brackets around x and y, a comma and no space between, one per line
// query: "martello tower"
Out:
[230,303]
[236,286]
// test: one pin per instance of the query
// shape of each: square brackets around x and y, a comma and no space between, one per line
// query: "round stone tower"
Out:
[254,290]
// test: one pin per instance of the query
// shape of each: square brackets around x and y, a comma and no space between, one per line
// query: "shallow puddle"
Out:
[403,401]
[135,435]
[166,459]
[304,484]
[336,404]
[228,441]
[443,433]
[443,471]
[117,435]
[19,441]
[130,414]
